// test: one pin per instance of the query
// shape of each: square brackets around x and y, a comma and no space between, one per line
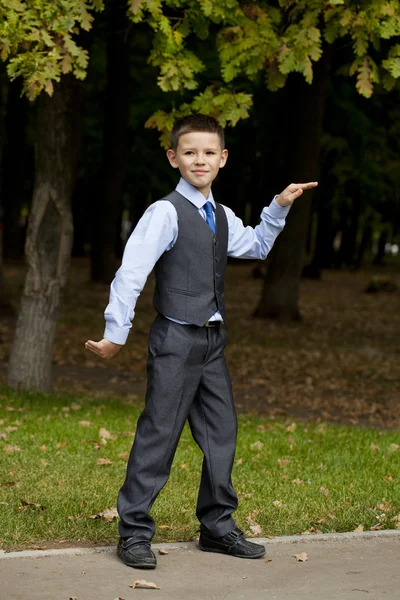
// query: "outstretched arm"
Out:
[249,242]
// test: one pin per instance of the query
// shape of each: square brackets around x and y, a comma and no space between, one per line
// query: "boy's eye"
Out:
[188,152]
[210,152]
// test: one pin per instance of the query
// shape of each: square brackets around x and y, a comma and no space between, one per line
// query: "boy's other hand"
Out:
[105,349]
[293,191]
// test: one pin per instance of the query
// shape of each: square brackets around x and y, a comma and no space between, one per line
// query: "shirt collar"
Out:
[193,195]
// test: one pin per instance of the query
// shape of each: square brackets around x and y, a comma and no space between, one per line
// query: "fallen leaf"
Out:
[108,514]
[11,449]
[162,551]
[75,406]
[142,583]
[8,484]
[388,478]
[267,559]
[104,434]
[43,448]
[359,528]
[85,423]
[324,491]
[394,447]
[245,494]
[256,529]
[301,557]
[257,446]
[282,462]
[25,504]
[278,503]
[163,527]
[297,481]
[124,455]
[374,448]
[239,461]
[376,527]
[96,445]
[104,461]
[385,506]
[291,427]
[3,435]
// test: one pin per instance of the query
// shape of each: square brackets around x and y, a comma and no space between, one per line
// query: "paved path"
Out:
[340,567]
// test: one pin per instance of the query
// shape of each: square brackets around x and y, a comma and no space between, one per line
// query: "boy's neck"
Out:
[205,191]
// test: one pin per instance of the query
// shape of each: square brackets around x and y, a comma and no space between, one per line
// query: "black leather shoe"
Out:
[136,554]
[233,543]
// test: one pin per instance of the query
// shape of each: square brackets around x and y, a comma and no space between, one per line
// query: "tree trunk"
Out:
[15,171]
[379,259]
[5,306]
[323,256]
[280,295]
[49,238]
[107,208]
[365,244]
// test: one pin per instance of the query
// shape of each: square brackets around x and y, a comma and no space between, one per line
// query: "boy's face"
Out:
[198,157]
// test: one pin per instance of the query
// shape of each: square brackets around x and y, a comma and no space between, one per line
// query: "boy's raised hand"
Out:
[105,349]
[293,191]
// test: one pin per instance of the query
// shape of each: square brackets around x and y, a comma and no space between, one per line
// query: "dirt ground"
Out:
[340,363]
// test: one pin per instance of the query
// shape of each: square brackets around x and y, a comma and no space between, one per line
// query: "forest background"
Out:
[307,90]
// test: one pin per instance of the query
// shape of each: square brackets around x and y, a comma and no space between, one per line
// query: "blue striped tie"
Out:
[209,215]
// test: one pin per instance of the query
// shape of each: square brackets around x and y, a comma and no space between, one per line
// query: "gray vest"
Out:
[190,276]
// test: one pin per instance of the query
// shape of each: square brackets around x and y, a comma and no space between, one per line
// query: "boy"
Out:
[187,237]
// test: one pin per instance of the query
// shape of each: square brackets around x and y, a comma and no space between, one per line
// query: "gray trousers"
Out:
[187,378]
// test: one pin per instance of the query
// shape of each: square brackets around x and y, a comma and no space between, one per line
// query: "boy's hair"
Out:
[196,122]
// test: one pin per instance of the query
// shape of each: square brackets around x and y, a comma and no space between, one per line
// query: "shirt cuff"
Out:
[117,336]
[276,210]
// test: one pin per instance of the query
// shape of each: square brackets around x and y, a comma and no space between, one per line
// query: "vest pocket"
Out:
[183,292]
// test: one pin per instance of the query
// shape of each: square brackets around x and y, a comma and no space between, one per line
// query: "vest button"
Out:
[217,275]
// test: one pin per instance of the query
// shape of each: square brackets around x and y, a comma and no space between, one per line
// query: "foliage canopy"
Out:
[38,39]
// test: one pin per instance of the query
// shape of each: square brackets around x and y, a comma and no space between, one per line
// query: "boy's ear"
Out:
[172,158]
[224,158]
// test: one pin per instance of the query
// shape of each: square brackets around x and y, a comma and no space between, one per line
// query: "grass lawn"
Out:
[63,459]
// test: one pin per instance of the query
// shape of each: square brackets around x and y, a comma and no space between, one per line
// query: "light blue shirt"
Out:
[157,232]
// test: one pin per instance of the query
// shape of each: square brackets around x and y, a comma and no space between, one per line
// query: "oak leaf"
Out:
[108,514]
[104,461]
[301,557]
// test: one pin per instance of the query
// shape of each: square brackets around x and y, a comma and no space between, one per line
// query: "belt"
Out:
[213,324]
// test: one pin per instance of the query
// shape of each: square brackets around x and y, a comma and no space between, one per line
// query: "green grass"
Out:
[341,481]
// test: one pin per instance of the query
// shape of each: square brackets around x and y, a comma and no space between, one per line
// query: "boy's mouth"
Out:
[199,171]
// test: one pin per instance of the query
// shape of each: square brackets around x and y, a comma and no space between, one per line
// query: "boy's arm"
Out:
[249,242]
[155,233]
